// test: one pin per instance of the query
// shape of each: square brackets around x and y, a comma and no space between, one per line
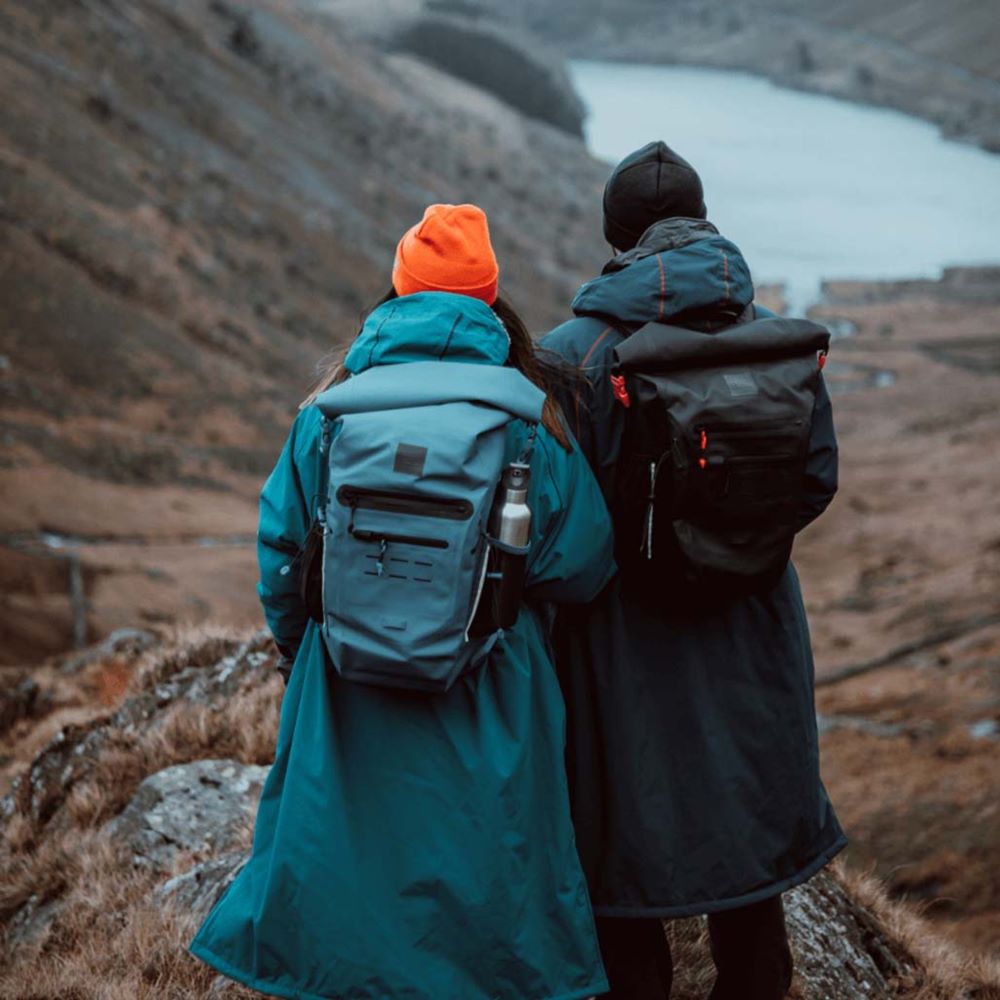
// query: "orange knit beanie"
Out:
[449,250]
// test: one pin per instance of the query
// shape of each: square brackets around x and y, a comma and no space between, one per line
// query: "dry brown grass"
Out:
[945,970]
[108,938]
[184,646]
[942,971]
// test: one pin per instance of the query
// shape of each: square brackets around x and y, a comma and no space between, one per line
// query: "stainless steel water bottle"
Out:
[512,528]
[513,514]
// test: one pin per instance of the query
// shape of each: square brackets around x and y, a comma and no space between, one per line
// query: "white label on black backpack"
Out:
[740,383]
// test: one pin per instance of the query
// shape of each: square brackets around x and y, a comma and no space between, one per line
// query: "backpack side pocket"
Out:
[311,572]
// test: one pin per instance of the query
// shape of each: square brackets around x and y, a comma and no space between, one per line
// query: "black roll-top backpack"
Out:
[710,482]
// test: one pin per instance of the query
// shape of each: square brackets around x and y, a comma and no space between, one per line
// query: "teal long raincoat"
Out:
[412,845]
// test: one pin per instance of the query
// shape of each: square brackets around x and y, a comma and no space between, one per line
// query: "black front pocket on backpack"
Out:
[744,473]
[714,445]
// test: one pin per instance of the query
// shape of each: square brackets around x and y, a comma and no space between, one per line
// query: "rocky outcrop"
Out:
[840,948]
[175,689]
[199,888]
[127,642]
[112,809]
[119,839]
[200,807]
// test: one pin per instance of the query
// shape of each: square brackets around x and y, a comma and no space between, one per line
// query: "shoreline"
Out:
[791,50]
[836,89]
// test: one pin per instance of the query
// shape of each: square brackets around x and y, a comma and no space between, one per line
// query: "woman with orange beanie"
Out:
[414,840]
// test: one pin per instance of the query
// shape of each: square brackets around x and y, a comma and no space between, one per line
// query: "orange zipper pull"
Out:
[620,391]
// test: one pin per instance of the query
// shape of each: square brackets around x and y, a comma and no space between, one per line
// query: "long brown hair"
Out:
[547,373]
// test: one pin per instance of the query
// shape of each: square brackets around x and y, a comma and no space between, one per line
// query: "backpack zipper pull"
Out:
[620,390]
[651,501]
[380,563]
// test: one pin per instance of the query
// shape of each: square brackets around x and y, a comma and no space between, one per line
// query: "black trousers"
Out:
[749,947]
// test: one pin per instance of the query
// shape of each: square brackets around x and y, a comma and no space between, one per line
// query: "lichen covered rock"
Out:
[840,948]
[203,806]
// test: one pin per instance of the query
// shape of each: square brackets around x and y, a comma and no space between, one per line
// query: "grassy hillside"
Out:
[97,902]
[196,202]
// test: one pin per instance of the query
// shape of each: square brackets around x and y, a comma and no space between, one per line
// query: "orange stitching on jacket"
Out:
[595,345]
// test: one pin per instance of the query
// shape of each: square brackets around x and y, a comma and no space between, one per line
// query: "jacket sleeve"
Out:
[286,511]
[572,547]
[822,464]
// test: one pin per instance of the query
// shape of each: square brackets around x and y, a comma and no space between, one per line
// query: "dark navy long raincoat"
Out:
[414,846]
[692,748]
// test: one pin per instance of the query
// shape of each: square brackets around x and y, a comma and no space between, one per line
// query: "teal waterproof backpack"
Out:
[414,454]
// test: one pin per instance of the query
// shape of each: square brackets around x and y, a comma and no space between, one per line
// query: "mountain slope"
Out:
[195,204]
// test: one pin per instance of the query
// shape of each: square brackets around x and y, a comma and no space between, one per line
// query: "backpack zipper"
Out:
[707,432]
[391,502]
[647,531]
[364,535]
[753,430]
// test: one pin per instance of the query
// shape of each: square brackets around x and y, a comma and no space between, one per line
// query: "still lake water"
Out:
[808,186]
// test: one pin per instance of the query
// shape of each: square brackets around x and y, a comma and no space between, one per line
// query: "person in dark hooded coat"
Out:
[692,744]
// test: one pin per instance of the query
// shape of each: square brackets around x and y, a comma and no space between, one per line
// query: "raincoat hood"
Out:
[429,326]
[678,266]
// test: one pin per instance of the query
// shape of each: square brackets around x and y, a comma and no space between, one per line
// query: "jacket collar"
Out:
[668,234]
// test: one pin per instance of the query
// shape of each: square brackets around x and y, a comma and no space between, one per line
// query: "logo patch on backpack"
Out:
[740,383]
[410,459]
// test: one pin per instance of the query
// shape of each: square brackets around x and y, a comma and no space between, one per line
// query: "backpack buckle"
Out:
[620,391]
